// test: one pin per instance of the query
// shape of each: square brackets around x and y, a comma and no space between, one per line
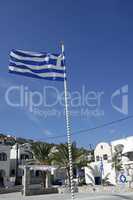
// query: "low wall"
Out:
[37,191]
[104,189]
[63,189]
[10,189]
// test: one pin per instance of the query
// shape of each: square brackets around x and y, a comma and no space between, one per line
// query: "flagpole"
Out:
[69,139]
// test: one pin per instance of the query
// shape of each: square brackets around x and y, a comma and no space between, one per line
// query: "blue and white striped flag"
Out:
[37,65]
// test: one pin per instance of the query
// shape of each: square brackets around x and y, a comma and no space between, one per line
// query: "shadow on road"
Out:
[123,197]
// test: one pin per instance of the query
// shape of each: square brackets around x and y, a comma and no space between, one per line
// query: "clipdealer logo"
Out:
[50,97]
[121,96]
[87,101]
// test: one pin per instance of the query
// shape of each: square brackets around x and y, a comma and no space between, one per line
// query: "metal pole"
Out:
[68,132]
[24,181]
[16,181]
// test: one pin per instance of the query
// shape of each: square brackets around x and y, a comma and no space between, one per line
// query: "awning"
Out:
[40,167]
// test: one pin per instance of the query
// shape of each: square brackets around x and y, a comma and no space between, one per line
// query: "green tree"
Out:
[116,162]
[95,172]
[61,158]
[42,154]
[105,180]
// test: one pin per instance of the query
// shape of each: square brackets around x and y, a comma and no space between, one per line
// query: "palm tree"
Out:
[95,172]
[42,154]
[105,180]
[116,162]
[61,158]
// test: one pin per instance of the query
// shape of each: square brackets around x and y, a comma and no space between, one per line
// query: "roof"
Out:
[41,167]
[128,147]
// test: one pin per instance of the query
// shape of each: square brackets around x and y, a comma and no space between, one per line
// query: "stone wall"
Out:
[100,189]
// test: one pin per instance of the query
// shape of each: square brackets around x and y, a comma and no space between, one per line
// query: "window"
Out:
[32,173]
[105,157]
[24,157]
[101,146]
[97,158]
[13,172]
[3,156]
[38,173]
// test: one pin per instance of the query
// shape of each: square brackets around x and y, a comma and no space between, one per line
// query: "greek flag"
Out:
[37,65]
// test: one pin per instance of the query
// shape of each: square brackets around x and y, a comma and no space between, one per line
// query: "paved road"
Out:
[87,196]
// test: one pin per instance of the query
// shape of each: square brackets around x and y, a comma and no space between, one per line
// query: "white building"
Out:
[102,168]
[11,157]
[4,164]
[12,162]
[18,156]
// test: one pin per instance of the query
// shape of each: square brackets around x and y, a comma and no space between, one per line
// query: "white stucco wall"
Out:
[103,149]
[109,149]
[94,171]
[5,165]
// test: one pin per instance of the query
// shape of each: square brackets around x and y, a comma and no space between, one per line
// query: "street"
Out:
[83,196]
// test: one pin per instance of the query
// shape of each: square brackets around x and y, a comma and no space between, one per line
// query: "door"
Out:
[98,180]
